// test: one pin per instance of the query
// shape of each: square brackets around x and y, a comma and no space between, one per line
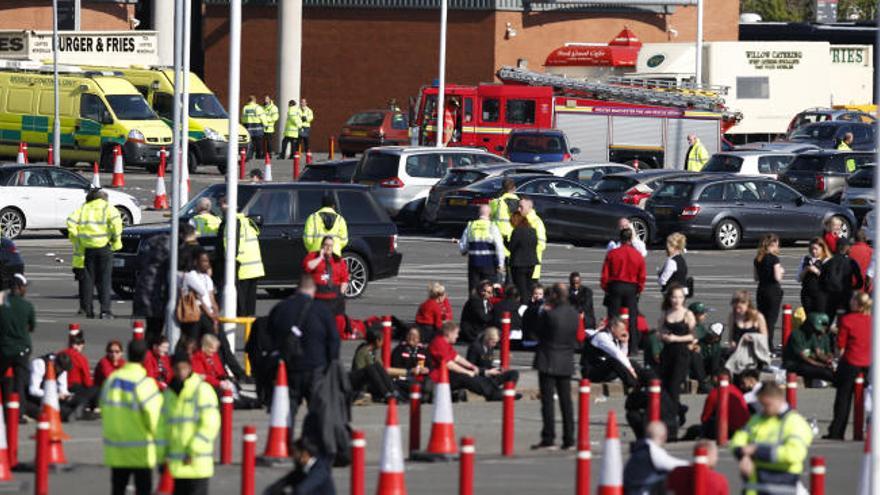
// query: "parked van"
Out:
[98,110]
[208,120]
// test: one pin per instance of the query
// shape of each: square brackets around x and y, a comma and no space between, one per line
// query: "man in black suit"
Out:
[554,360]
[581,297]
[311,476]
[477,312]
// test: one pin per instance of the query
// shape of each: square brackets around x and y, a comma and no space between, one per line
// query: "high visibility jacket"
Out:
[206,223]
[271,111]
[248,256]
[97,224]
[499,213]
[293,122]
[481,245]
[130,408]
[253,115]
[697,157]
[78,260]
[850,163]
[316,229]
[783,445]
[307,116]
[189,425]
[536,223]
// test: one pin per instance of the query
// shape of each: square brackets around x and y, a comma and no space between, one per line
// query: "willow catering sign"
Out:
[114,48]
[774,59]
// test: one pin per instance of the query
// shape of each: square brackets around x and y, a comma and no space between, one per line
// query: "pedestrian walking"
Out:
[676,327]
[292,125]
[623,223]
[17,322]
[681,480]
[271,111]
[98,231]
[813,297]
[623,279]
[527,209]
[649,463]
[189,425]
[840,277]
[330,273]
[248,260]
[554,360]
[768,272]
[482,243]
[327,221]
[307,116]
[523,248]
[861,252]
[773,446]
[675,269]
[854,346]
[131,406]
[150,298]
[697,155]
[253,118]
[205,221]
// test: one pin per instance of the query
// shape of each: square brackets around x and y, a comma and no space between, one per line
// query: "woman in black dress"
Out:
[523,247]
[676,328]
[768,274]
[813,297]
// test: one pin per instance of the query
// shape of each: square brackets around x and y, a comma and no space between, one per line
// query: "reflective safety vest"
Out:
[316,230]
[697,157]
[293,122]
[248,256]
[131,405]
[481,244]
[78,260]
[206,223]
[500,209]
[271,111]
[190,422]
[850,163]
[253,115]
[97,225]
[783,445]
[307,117]
[536,223]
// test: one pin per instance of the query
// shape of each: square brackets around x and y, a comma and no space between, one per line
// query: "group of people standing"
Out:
[261,121]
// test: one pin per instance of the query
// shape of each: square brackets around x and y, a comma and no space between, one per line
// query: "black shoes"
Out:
[548,446]
[106,315]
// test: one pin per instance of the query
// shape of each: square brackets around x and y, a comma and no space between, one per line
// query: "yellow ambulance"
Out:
[208,120]
[99,110]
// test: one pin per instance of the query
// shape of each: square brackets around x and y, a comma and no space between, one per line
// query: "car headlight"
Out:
[136,136]
[213,135]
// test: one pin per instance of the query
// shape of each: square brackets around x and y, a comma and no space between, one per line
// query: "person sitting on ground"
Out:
[369,373]
[462,373]
[808,351]
[256,175]
[708,341]
[652,346]
[158,363]
[636,406]
[485,353]
[509,304]
[312,474]
[749,383]
[411,355]
[649,462]
[111,362]
[80,374]
[531,318]
[737,411]
[73,405]
[604,355]
[207,363]
[477,312]
[433,312]
[681,480]
[748,335]
[581,298]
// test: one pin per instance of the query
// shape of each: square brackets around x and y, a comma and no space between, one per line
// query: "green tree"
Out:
[857,10]
[780,10]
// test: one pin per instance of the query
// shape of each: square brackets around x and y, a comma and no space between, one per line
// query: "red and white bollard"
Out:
[701,471]
[722,420]
[791,390]
[415,417]
[50,155]
[248,459]
[358,459]
[308,157]
[582,328]
[466,467]
[507,426]
[332,147]
[505,340]
[786,323]
[137,330]
[386,341]
[584,455]
[118,168]
[13,408]
[817,475]
[654,401]
[296,158]
[859,408]
[96,176]
[41,459]
[242,161]
[226,407]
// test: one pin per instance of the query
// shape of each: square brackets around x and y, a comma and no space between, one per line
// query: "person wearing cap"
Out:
[840,277]
[323,223]
[189,425]
[706,351]
[131,405]
[98,230]
[17,322]
[808,351]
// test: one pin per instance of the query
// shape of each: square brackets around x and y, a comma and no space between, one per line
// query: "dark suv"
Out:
[823,174]
[281,209]
[828,134]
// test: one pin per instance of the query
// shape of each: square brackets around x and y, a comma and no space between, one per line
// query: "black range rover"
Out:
[282,209]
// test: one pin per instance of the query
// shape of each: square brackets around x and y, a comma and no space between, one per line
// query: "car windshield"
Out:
[367,119]
[814,132]
[536,143]
[614,184]
[206,106]
[723,163]
[807,164]
[378,165]
[461,178]
[674,190]
[805,118]
[131,107]
[863,177]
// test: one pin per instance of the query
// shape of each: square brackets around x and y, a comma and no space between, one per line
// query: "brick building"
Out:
[95,15]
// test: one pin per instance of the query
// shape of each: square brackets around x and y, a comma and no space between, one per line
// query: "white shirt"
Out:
[201,284]
[603,341]
[668,270]
[661,459]
[636,243]
[38,371]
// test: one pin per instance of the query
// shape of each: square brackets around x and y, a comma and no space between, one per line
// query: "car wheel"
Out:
[845,227]
[640,227]
[280,293]
[11,223]
[221,167]
[193,162]
[358,275]
[123,291]
[728,235]
[127,218]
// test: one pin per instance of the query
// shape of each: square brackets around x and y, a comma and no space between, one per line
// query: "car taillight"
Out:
[633,196]
[820,182]
[566,157]
[346,130]
[480,201]
[689,212]
[393,245]
[392,183]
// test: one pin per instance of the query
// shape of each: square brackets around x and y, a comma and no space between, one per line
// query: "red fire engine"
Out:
[622,120]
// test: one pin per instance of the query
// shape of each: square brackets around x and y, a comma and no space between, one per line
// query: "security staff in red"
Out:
[623,279]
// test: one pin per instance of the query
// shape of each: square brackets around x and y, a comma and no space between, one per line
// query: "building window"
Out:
[753,88]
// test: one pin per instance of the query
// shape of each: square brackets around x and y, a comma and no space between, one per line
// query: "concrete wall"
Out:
[37,15]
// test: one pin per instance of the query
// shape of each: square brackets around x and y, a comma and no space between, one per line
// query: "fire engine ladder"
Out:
[677,96]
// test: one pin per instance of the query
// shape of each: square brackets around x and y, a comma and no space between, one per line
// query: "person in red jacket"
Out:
[207,363]
[681,480]
[854,343]
[157,363]
[737,411]
[330,273]
[623,279]
[434,312]
[80,374]
[111,362]
[832,233]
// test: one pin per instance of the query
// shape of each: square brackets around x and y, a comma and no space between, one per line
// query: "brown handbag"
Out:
[188,308]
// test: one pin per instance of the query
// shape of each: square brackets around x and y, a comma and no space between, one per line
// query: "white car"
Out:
[40,197]
[752,162]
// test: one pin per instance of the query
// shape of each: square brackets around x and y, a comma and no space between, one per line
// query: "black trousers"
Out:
[810,372]
[268,138]
[675,361]
[479,385]
[143,480]
[769,300]
[477,274]
[814,301]
[97,273]
[697,367]
[78,400]
[304,135]
[625,295]
[845,381]
[561,386]
[256,141]
[835,302]
[80,275]
[300,389]
[610,369]
[155,327]
[288,142]
[21,374]
[375,379]
[522,279]
[198,486]
[246,303]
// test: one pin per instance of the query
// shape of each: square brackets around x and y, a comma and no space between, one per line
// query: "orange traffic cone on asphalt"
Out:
[118,169]
[96,176]
[52,409]
[611,476]
[277,449]
[267,168]
[391,470]
[160,199]
[5,466]
[442,445]
[137,330]
[166,482]
[22,157]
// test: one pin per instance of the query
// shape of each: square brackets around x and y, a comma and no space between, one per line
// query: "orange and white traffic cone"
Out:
[267,168]
[166,482]
[52,409]
[160,199]
[96,176]
[277,449]
[50,155]
[442,445]
[118,169]
[391,469]
[611,476]
[5,466]
[72,329]
[22,157]
[137,330]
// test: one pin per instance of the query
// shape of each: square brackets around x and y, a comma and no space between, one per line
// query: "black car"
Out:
[280,210]
[728,210]
[11,262]
[570,211]
[633,188]
[340,171]
[828,134]
[823,174]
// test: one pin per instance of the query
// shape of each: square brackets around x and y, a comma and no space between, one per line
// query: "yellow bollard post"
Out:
[247,321]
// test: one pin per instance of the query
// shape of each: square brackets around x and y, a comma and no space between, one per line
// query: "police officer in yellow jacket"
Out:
[78,261]
[131,405]
[97,228]
[773,446]
[190,422]
[253,118]
[325,222]
[845,144]
[205,222]
[292,125]
[527,209]
[305,132]
[697,154]
[271,111]
[501,207]
[248,260]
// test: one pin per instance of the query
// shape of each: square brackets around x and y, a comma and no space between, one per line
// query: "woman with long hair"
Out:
[523,247]
[748,335]
[676,327]
[854,344]
[813,297]
[675,269]
[768,274]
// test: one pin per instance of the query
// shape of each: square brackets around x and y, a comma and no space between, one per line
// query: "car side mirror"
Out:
[257,219]
[800,200]
[575,151]
[499,148]
[596,199]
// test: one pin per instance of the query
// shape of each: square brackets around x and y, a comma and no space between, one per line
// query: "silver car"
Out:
[858,195]
[401,177]
[749,162]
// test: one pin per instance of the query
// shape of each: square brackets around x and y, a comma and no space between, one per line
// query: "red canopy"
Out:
[622,51]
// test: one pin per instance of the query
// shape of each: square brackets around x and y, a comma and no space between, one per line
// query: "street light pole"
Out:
[698,69]
[874,431]
[183,198]
[56,124]
[173,332]
[441,85]
[230,297]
